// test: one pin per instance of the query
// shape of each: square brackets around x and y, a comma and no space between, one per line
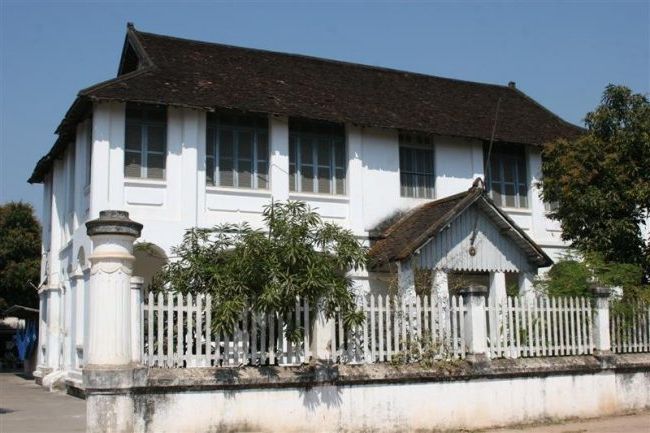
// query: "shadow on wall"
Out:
[329,395]
[149,259]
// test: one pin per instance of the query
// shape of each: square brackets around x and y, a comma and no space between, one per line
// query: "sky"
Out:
[561,53]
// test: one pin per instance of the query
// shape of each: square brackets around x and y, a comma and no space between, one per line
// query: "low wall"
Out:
[378,398]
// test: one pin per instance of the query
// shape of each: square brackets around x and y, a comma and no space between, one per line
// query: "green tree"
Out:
[601,180]
[298,255]
[20,255]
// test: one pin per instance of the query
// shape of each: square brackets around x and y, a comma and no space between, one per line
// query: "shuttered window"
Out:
[507,176]
[237,151]
[317,158]
[145,151]
[416,166]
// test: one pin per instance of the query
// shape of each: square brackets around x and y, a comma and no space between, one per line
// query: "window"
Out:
[416,166]
[317,157]
[237,152]
[146,141]
[506,174]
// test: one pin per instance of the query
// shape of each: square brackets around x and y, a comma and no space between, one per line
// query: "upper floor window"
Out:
[416,165]
[506,175]
[317,157]
[237,151]
[145,149]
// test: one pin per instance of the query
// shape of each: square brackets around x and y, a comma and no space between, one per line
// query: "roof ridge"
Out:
[327,60]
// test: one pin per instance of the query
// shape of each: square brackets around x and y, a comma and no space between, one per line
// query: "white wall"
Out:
[466,404]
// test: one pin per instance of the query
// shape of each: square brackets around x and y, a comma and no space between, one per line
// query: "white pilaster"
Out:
[68,325]
[322,340]
[279,164]
[193,138]
[53,351]
[354,178]
[536,204]
[77,314]
[602,338]
[440,290]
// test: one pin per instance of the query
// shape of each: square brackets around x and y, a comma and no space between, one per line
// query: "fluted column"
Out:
[109,297]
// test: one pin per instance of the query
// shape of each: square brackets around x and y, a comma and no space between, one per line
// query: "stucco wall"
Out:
[378,398]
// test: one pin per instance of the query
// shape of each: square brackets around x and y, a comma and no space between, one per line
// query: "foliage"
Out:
[20,255]
[299,256]
[425,351]
[601,180]
[574,277]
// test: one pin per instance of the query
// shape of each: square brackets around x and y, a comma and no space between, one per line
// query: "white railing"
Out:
[176,331]
[630,328]
[398,327]
[543,326]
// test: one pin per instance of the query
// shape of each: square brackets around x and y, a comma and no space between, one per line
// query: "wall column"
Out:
[322,340]
[440,290]
[53,351]
[602,339]
[109,297]
[279,163]
[475,323]
[497,288]
[76,340]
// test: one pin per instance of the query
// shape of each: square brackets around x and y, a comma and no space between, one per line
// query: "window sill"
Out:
[303,196]
[238,191]
[131,181]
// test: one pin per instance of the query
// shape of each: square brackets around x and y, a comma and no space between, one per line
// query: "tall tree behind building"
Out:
[601,180]
[20,255]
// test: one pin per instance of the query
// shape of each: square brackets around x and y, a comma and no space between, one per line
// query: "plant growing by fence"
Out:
[297,256]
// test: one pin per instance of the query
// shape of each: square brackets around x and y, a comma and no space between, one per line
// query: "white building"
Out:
[195,134]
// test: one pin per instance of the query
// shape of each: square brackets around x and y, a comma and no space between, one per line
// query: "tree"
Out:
[601,180]
[20,255]
[298,256]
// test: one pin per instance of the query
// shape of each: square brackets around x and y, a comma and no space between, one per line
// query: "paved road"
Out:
[27,408]
[636,423]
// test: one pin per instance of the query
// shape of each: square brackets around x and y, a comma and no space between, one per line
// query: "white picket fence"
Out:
[542,326]
[630,328]
[176,331]
[394,326]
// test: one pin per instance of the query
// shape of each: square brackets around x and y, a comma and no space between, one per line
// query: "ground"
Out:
[27,408]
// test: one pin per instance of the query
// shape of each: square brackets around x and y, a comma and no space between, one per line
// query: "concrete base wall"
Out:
[376,398]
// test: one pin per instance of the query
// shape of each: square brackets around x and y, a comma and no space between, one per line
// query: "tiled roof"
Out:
[188,73]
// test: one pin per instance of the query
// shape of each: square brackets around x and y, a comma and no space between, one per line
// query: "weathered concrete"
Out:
[25,407]
[632,423]
[380,397]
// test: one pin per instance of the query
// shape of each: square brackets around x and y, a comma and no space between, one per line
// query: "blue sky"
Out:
[561,53]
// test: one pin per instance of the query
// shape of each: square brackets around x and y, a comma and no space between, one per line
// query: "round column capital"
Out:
[113,222]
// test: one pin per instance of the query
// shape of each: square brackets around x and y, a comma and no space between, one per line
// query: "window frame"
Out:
[217,125]
[518,157]
[421,142]
[144,123]
[315,133]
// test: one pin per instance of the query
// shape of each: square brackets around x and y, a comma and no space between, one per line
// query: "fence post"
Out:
[475,321]
[136,319]
[109,373]
[602,340]
[323,340]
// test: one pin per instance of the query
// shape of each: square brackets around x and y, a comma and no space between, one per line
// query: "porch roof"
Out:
[421,225]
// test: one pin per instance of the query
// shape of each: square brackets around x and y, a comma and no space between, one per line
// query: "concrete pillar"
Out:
[406,280]
[77,284]
[602,339]
[526,288]
[354,181]
[68,326]
[475,323]
[440,290]
[136,319]
[279,163]
[109,297]
[497,288]
[53,351]
[322,337]
[42,331]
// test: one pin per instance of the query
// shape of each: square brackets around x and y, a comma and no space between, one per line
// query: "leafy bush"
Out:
[298,256]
